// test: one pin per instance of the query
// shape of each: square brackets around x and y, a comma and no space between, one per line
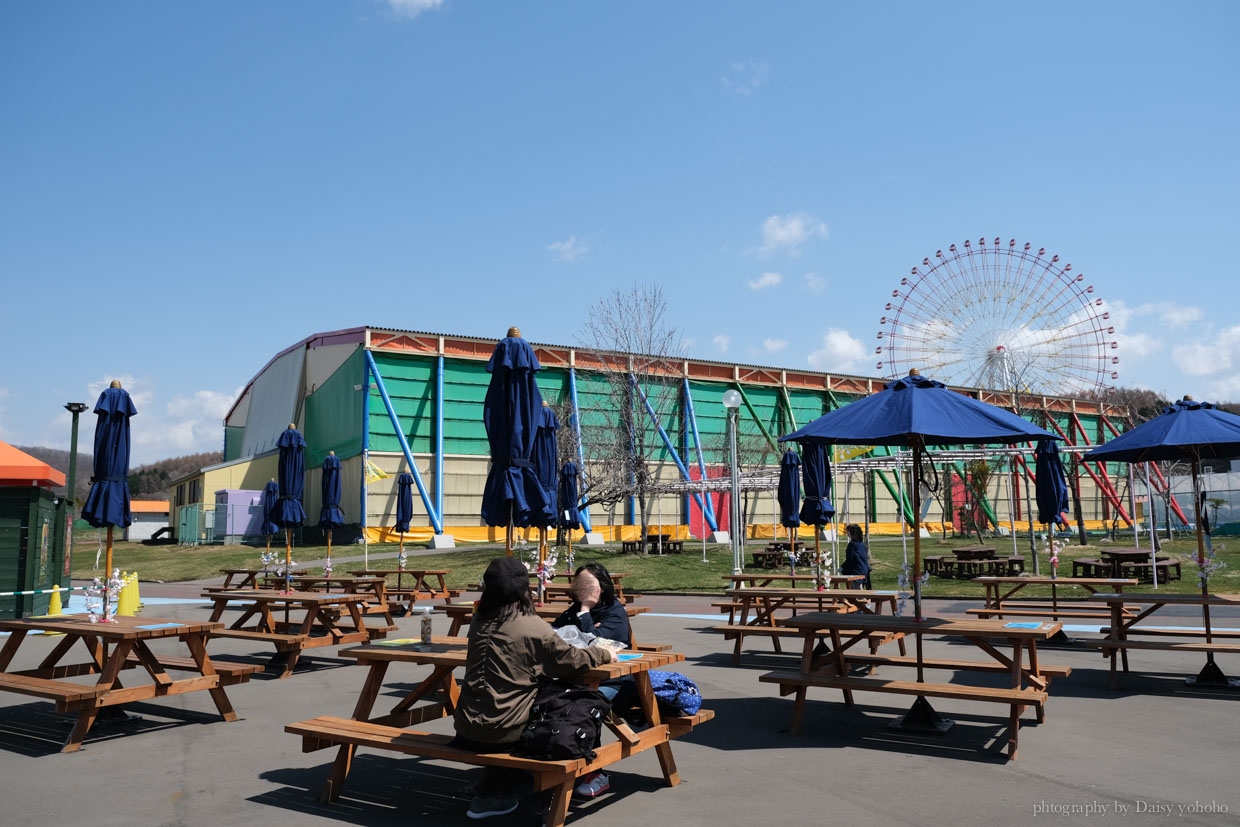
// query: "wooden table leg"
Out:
[107,679]
[361,712]
[558,811]
[650,707]
[15,640]
[197,644]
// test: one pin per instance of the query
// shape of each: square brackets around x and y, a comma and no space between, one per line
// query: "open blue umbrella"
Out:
[404,505]
[330,514]
[107,504]
[1187,430]
[511,413]
[292,476]
[914,412]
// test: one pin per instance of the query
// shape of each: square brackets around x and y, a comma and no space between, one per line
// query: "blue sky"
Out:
[190,187]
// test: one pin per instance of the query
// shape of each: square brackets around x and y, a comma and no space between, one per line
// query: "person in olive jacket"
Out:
[512,653]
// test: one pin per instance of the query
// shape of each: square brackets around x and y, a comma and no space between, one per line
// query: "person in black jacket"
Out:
[597,611]
[856,556]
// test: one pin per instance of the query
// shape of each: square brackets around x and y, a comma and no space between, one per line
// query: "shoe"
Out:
[485,807]
[596,783]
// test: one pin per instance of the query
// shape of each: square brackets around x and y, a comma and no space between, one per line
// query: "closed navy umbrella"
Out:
[544,458]
[914,412]
[107,504]
[511,413]
[569,516]
[816,510]
[789,491]
[271,497]
[289,510]
[330,514]
[1187,430]
[1051,487]
[404,506]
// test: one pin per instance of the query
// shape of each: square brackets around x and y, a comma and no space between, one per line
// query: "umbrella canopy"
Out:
[404,501]
[1052,488]
[789,493]
[569,516]
[915,406]
[271,498]
[544,459]
[511,413]
[289,510]
[108,501]
[816,478]
[330,514]
[1186,430]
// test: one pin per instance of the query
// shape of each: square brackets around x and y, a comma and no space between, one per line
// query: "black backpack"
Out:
[565,723]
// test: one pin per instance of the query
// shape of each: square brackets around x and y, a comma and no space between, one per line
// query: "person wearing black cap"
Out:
[512,652]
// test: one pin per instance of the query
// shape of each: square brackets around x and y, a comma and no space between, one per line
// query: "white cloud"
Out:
[1213,354]
[745,77]
[786,233]
[840,352]
[766,280]
[570,250]
[721,342]
[815,282]
[409,9]
[774,345]
[186,424]
[687,343]
[1176,316]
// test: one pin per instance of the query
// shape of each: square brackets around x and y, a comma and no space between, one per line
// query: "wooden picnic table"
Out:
[760,580]
[440,688]
[616,580]
[1117,640]
[1118,556]
[999,591]
[832,666]
[766,601]
[974,552]
[319,625]
[403,596]
[249,577]
[462,613]
[114,647]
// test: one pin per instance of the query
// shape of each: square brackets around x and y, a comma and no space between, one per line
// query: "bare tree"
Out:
[636,351]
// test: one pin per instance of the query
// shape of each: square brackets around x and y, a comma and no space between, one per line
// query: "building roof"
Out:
[148,506]
[19,468]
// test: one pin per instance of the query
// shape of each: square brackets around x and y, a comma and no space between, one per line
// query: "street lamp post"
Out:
[732,401]
[68,502]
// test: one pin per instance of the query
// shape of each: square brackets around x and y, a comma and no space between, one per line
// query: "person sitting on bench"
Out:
[597,611]
[856,557]
[512,653]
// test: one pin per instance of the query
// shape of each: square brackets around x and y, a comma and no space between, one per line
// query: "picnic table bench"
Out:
[652,542]
[1000,590]
[1118,642]
[764,602]
[560,591]
[833,667]
[114,647]
[462,613]
[445,655]
[320,624]
[760,580]
[402,596]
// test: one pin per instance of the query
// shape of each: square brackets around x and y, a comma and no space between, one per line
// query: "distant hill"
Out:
[146,482]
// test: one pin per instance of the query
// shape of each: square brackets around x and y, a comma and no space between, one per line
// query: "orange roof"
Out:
[149,506]
[19,468]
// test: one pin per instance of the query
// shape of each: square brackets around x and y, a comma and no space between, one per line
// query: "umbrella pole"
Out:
[329,546]
[107,575]
[542,559]
[921,716]
[819,580]
[1210,674]
[288,560]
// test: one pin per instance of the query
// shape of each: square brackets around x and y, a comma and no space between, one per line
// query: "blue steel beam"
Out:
[709,510]
[439,439]
[667,442]
[365,439]
[575,421]
[436,520]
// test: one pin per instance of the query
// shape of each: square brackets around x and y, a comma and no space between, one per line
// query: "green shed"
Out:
[31,546]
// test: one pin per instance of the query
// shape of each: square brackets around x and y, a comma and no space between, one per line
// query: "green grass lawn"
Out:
[671,573]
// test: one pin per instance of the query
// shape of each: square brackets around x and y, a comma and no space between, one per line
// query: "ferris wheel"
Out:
[999,317]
